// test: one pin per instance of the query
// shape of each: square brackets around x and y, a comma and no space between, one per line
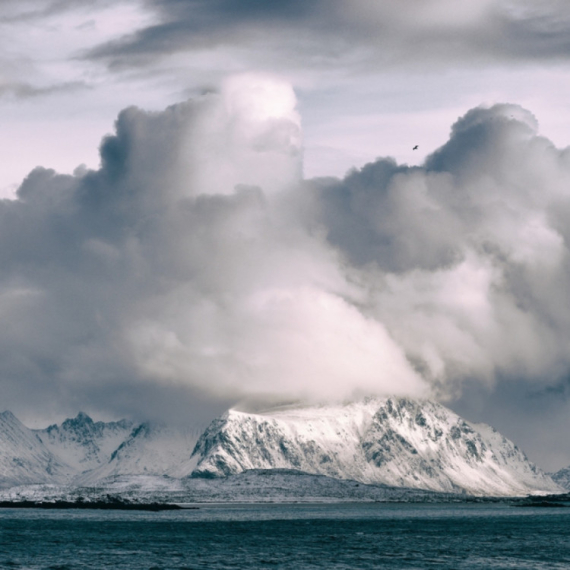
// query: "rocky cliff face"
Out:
[396,442]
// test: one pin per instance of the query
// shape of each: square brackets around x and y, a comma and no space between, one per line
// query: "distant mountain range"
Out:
[82,452]
[562,478]
[395,441]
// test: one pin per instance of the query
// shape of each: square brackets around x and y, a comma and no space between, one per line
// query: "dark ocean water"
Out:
[290,536]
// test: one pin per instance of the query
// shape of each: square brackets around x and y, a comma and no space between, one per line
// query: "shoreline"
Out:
[113,504]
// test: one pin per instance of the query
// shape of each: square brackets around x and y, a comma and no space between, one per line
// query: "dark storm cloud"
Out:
[376,34]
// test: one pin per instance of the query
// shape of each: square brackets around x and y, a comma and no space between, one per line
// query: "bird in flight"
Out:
[415,148]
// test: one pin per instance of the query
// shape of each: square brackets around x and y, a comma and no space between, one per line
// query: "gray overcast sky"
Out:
[195,258]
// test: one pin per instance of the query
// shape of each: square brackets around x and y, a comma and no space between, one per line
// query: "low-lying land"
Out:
[255,486]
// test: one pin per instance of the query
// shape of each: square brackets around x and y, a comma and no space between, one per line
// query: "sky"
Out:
[211,202]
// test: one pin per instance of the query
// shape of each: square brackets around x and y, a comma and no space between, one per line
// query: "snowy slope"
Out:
[150,449]
[23,457]
[256,486]
[562,478]
[396,442]
[81,451]
[82,443]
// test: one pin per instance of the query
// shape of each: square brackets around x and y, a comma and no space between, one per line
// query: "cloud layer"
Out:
[339,32]
[197,264]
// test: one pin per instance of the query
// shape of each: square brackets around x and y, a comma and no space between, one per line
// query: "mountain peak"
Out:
[8,416]
[82,418]
[80,424]
[394,441]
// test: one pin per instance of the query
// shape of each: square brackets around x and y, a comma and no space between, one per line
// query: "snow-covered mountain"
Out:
[24,459]
[396,442]
[82,443]
[81,451]
[562,478]
[150,449]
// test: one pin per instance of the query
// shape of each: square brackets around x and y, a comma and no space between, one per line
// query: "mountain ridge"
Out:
[397,442]
[23,457]
[393,441]
[82,443]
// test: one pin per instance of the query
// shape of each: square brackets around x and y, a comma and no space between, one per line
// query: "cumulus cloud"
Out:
[466,257]
[197,265]
[180,263]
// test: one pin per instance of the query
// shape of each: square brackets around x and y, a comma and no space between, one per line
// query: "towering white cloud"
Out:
[466,257]
[180,263]
[197,263]
[250,136]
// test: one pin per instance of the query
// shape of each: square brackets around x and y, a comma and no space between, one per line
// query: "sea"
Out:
[289,536]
